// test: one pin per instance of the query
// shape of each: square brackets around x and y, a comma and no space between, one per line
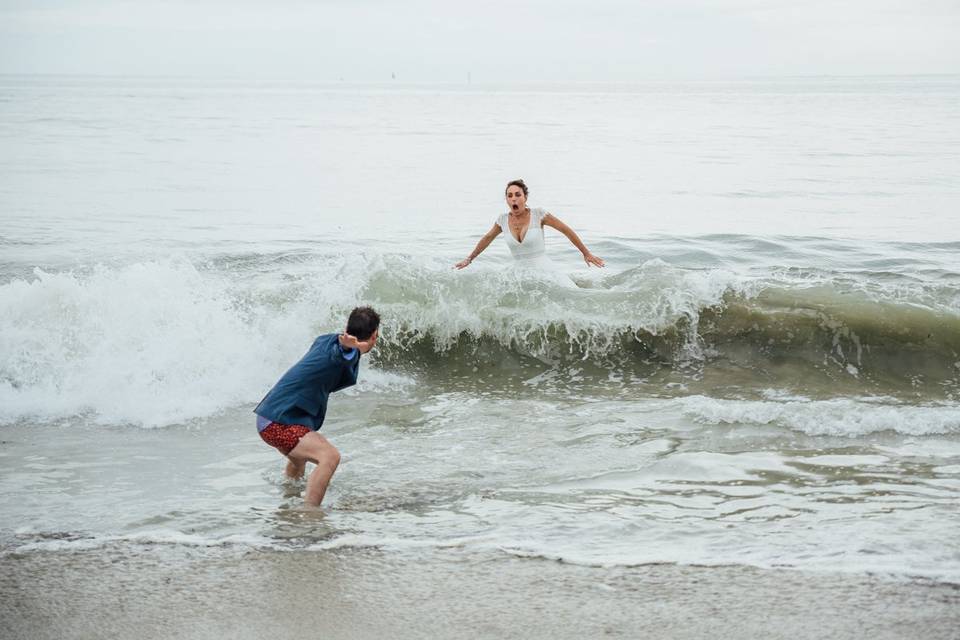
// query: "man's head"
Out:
[364,324]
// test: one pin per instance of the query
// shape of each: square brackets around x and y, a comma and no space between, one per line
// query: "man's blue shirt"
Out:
[300,396]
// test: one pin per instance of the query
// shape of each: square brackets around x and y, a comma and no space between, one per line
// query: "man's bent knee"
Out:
[328,455]
[333,457]
[316,449]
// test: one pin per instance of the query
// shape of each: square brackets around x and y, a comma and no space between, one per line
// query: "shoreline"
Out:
[126,591]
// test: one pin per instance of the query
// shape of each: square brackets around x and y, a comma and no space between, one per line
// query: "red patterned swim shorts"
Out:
[283,436]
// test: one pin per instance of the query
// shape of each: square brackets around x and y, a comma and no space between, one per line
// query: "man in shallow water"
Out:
[290,415]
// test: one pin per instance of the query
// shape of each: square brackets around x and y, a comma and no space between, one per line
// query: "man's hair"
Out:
[518,183]
[363,321]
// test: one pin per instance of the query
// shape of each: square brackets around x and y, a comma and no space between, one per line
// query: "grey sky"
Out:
[433,40]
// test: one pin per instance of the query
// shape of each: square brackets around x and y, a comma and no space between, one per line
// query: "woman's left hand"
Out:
[589,258]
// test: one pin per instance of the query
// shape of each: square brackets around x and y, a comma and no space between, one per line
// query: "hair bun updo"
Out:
[518,183]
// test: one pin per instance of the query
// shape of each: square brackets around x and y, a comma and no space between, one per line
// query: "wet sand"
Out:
[129,591]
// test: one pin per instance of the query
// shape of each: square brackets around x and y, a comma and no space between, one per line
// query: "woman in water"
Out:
[524,227]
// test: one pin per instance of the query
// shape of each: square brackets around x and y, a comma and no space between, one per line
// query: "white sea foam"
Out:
[154,343]
[150,344]
[838,417]
[426,300]
[162,342]
[169,537]
[692,555]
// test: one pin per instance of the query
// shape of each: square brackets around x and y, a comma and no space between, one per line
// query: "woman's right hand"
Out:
[463,263]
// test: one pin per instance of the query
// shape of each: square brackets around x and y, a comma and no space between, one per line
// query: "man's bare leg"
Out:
[314,448]
[295,468]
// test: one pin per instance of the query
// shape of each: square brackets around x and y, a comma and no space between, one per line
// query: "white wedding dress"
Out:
[531,251]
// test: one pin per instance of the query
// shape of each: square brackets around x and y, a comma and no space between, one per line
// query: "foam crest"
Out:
[152,343]
[537,312]
[168,341]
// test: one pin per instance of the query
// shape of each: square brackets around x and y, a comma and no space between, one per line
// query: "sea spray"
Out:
[160,342]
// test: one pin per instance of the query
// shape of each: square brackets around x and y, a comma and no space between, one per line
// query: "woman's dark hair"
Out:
[518,183]
[363,321]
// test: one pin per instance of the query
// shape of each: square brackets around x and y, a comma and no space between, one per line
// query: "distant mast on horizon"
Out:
[468,77]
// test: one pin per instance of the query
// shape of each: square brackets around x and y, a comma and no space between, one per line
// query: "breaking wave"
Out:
[165,341]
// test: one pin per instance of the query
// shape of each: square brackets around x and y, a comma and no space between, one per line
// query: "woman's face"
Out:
[515,199]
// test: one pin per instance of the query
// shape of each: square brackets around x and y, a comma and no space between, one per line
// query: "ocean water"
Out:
[767,373]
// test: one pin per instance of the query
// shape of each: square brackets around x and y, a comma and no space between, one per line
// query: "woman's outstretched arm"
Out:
[481,245]
[556,223]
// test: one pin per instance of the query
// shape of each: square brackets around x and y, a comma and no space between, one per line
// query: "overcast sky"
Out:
[437,40]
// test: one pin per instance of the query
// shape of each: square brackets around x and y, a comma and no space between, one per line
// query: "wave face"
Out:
[164,341]
[659,315]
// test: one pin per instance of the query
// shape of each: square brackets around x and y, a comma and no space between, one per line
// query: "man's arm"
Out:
[348,342]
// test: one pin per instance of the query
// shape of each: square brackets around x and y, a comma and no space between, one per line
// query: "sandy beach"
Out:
[124,592]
